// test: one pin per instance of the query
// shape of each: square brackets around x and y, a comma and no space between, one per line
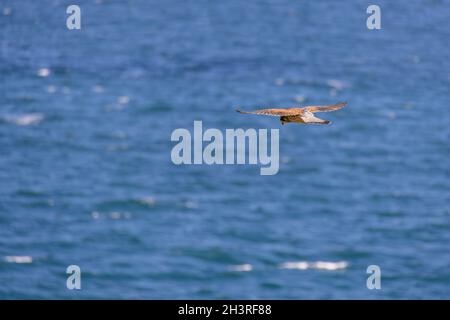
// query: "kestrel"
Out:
[298,115]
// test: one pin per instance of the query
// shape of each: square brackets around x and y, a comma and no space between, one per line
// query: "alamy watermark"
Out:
[235,146]
[374,20]
[74,278]
[73,21]
[374,280]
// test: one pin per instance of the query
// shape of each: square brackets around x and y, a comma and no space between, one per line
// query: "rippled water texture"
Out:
[85,170]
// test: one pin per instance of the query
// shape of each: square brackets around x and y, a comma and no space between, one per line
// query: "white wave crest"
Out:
[19,259]
[241,267]
[318,265]
[25,119]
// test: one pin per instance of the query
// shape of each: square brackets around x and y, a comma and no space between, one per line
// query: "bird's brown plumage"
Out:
[299,115]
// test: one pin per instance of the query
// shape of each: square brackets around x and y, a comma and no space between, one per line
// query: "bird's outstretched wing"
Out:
[332,107]
[275,112]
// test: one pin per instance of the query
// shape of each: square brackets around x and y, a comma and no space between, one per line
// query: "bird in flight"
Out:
[298,115]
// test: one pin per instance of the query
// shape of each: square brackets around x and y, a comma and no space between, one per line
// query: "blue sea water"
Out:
[86,176]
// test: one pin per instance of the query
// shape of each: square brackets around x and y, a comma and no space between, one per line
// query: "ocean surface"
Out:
[86,176]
